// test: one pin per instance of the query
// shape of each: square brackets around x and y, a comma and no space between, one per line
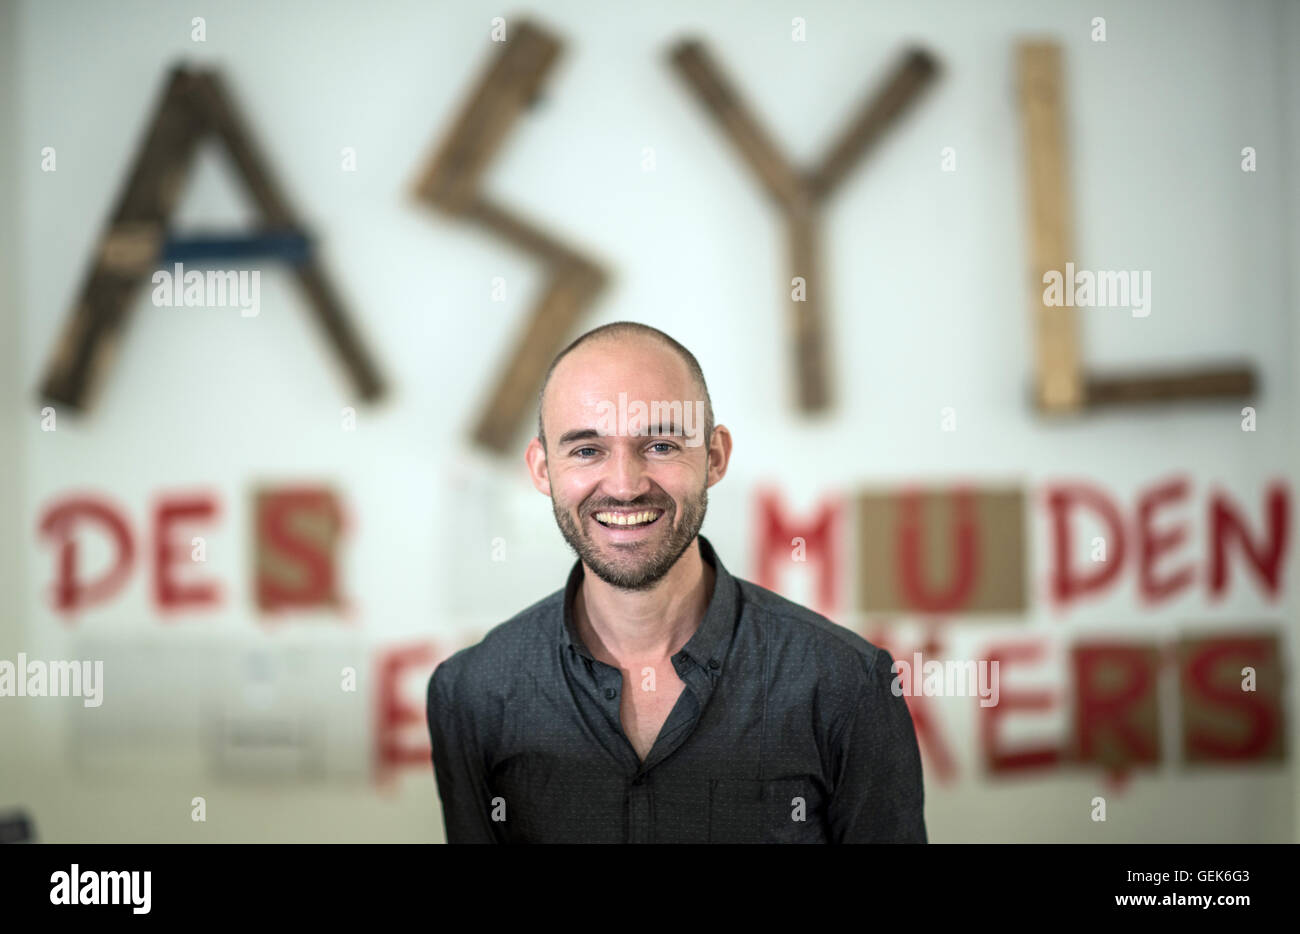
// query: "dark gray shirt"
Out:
[787,731]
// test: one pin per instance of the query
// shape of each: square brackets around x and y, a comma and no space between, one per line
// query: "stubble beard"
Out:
[641,565]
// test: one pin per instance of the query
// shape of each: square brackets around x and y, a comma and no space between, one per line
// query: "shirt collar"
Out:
[708,647]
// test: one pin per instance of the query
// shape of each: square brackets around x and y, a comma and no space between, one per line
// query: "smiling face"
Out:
[629,499]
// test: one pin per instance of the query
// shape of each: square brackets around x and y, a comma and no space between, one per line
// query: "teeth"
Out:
[638,518]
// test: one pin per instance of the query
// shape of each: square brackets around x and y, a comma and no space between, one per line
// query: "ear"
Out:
[535,458]
[719,453]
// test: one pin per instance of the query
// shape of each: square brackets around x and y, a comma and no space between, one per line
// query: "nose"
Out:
[626,478]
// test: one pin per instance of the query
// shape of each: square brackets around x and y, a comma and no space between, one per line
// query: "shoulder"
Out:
[504,654]
[803,635]
[841,673]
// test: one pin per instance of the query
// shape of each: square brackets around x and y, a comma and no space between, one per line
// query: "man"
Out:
[656,698]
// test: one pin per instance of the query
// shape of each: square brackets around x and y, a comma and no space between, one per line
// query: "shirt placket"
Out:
[607,682]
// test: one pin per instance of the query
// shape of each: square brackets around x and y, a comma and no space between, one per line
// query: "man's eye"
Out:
[666,444]
[580,450]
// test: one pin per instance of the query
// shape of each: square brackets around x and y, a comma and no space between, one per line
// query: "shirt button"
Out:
[610,693]
[714,663]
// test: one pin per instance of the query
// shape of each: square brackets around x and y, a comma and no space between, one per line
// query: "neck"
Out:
[644,625]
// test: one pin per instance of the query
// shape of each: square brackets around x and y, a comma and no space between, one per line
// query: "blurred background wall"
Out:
[927,307]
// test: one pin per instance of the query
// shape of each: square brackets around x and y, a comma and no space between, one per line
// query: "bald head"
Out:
[610,354]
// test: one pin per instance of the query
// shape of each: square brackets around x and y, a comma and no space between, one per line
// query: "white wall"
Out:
[1288,38]
[928,310]
[12,543]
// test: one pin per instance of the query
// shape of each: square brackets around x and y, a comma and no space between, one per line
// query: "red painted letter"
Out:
[297,531]
[1066,584]
[773,544]
[1227,525]
[965,555]
[1116,708]
[58,523]
[1221,722]
[1152,545]
[169,593]
[997,760]
[398,717]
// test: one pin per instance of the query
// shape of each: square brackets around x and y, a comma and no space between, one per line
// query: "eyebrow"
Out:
[579,434]
[586,434]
